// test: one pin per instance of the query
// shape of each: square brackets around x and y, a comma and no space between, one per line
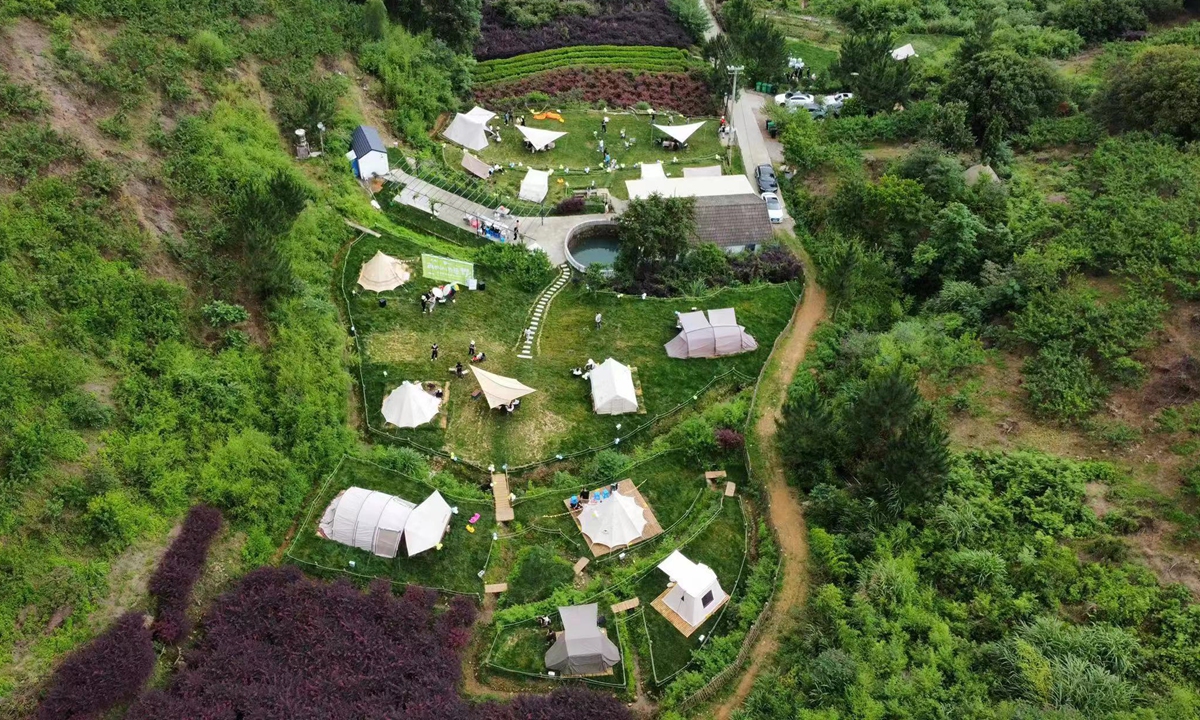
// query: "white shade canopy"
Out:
[468,130]
[697,592]
[538,137]
[680,132]
[382,273]
[708,337]
[613,392]
[427,524]
[409,406]
[366,519]
[617,520]
[476,167]
[480,115]
[904,52]
[498,389]
[535,185]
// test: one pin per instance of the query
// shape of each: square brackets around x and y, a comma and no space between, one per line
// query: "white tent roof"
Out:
[615,521]
[383,272]
[367,519]
[904,52]
[538,137]
[476,167]
[612,388]
[480,115]
[409,406]
[467,132]
[680,132]
[689,186]
[653,171]
[500,390]
[705,171]
[695,583]
[535,185]
[712,336]
[427,524]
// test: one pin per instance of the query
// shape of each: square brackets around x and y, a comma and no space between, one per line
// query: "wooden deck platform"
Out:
[500,492]
[674,618]
[712,476]
[626,605]
[625,487]
[637,390]
[730,489]
[580,564]
[495,588]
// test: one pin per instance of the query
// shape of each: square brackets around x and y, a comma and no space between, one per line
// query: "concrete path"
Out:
[756,146]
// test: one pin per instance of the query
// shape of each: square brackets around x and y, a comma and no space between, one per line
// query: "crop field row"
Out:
[654,59]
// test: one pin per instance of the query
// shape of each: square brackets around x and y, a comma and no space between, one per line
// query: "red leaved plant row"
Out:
[681,92]
[620,22]
[177,573]
[108,671]
[280,646]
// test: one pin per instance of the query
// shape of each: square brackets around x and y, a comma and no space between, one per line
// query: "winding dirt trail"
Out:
[784,511]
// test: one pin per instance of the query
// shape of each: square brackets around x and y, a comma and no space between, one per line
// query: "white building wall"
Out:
[373,163]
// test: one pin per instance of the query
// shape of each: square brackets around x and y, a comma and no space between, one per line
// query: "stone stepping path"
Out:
[539,311]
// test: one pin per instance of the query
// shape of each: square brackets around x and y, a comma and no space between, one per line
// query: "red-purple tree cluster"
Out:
[729,439]
[681,92]
[620,22]
[106,672]
[280,646]
[180,568]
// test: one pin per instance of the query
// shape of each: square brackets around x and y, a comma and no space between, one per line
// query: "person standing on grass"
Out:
[433,349]
[599,320]
[472,351]
[604,125]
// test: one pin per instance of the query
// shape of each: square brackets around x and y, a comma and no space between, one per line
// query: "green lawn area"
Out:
[455,567]
[579,149]
[558,418]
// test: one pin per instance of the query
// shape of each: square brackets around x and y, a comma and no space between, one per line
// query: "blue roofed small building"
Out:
[368,154]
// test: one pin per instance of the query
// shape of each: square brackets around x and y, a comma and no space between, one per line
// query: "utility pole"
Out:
[734,71]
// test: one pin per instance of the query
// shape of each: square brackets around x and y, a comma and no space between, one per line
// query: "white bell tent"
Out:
[697,592]
[409,406]
[614,521]
[469,129]
[535,185]
[498,389]
[612,388]
[537,137]
[382,273]
[680,133]
[427,524]
[708,337]
[367,520]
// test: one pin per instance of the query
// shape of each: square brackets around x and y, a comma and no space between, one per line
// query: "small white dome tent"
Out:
[427,524]
[409,406]
[708,337]
[382,273]
[697,593]
[612,389]
[366,519]
[615,521]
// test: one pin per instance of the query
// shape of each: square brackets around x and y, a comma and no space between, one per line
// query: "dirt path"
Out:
[784,511]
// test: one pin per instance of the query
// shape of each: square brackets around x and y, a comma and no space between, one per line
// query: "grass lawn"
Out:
[454,567]
[558,418]
[579,149]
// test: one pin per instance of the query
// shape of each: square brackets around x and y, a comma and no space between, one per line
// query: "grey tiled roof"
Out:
[732,220]
[366,139]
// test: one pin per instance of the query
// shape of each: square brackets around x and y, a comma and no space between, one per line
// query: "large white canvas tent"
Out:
[535,185]
[697,592]
[500,390]
[581,649]
[540,139]
[904,52]
[469,129]
[427,524]
[612,388]
[680,133]
[382,273]
[367,519]
[409,406]
[708,337]
[614,521]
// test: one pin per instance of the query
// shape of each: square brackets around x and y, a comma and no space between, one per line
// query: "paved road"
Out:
[758,148]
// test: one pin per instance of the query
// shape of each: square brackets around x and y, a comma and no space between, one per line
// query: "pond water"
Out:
[595,245]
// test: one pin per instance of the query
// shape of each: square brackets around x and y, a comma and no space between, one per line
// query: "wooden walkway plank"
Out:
[581,564]
[730,489]
[626,605]
[504,510]
[495,588]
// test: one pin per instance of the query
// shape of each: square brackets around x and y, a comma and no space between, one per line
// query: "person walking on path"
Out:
[433,349]
[599,320]
[517,231]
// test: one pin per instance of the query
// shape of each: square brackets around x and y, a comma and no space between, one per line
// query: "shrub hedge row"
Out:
[657,59]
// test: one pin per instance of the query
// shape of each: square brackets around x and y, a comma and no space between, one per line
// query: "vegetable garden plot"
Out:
[619,22]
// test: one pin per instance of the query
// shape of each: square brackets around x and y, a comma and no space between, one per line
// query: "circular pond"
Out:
[593,243]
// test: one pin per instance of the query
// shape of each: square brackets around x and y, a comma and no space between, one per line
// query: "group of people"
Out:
[585,496]
[585,371]
[476,357]
[430,300]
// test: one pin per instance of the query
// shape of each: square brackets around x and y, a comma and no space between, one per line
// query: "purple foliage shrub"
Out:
[106,672]
[179,570]
[621,22]
[569,703]
[729,439]
[774,264]
[569,206]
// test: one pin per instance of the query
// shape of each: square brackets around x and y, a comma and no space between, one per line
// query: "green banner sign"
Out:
[436,267]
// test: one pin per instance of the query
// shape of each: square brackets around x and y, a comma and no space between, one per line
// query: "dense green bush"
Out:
[1159,90]
[537,571]
[515,263]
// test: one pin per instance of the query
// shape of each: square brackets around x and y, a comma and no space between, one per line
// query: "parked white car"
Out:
[774,207]
[794,99]
[835,101]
